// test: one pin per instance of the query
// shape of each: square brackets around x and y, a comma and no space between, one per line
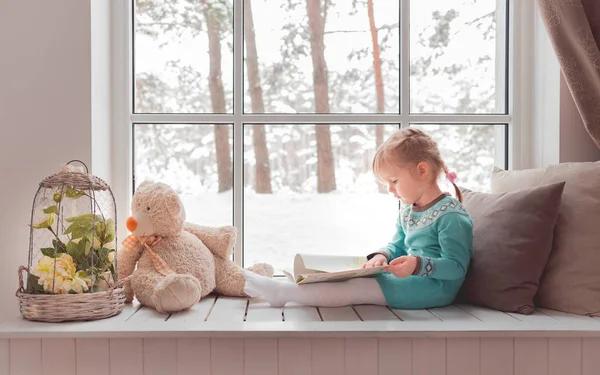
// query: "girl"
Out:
[428,256]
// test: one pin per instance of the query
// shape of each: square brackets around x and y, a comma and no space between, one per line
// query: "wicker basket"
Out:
[69,307]
[72,271]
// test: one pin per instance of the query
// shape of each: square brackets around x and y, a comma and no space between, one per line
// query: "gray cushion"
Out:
[571,280]
[512,239]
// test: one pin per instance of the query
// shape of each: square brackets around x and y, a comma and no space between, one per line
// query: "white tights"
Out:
[359,291]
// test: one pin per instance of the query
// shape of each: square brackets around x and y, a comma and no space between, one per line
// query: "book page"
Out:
[338,276]
[316,263]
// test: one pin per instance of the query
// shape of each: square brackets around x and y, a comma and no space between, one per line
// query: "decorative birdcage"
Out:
[72,267]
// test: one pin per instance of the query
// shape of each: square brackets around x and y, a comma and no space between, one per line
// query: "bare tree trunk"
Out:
[378,79]
[261,152]
[326,168]
[376,58]
[223,157]
[326,177]
[215,82]
[217,98]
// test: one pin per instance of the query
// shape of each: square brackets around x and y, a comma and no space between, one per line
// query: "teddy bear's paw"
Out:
[263,269]
[177,292]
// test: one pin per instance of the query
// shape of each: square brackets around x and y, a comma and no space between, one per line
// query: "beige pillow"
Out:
[512,239]
[571,279]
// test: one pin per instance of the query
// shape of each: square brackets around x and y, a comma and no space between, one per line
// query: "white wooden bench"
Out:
[236,336]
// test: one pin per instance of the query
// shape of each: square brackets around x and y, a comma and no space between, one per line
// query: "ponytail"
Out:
[458,192]
[452,177]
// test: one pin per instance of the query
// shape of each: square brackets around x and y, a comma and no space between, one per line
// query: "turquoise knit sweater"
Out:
[440,235]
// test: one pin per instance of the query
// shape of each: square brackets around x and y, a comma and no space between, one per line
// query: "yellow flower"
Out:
[79,283]
[55,272]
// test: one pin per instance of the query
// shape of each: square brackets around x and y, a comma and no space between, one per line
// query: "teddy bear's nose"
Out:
[131,224]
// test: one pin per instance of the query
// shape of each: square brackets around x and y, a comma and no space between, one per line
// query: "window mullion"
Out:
[238,129]
[404,60]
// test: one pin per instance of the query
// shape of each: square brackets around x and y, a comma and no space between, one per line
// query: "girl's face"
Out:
[406,185]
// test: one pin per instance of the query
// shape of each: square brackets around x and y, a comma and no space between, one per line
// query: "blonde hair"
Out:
[408,147]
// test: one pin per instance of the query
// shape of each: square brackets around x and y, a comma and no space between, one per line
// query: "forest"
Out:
[316,57]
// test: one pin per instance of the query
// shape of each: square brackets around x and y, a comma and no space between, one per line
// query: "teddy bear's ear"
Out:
[145,184]
[174,205]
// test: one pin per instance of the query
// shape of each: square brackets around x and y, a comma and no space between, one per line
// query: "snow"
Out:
[277,226]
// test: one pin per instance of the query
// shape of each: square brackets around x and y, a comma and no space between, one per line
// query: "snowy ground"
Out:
[278,226]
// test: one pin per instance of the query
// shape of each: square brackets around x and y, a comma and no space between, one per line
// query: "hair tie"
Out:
[451,176]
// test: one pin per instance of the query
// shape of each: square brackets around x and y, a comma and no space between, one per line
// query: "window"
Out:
[265,115]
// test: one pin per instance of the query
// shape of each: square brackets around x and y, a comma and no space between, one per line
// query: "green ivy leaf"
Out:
[103,255]
[84,245]
[46,224]
[74,194]
[83,265]
[33,286]
[51,210]
[80,217]
[110,231]
[57,197]
[48,251]
[59,246]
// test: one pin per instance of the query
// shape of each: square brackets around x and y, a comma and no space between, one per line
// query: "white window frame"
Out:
[520,45]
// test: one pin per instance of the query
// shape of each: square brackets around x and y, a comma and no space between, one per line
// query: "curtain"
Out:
[574,29]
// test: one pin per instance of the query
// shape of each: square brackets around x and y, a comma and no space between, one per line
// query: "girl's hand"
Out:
[403,266]
[377,261]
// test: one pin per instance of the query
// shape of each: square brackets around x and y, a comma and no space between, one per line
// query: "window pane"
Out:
[183,56]
[188,159]
[288,209]
[457,56]
[287,43]
[471,151]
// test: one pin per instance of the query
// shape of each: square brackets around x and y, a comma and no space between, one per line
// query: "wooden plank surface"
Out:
[361,356]
[338,314]
[160,356]
[488,315]
[375,313]
[25,356]
[226,356]
[294,312]
[453,314]
[564,356]
[93,356]
[496,356]
[423,351]
[193,356]
[531,356]
[416,315]
[228,309]
[261,311]
[260,357]
[395,357]
[58,357]
[327,356]
[4,356]
[197,313]
[462,356]
[126,356]
[294,356]
[590,356]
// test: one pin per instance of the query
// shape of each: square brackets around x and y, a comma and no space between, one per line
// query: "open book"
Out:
[311,268]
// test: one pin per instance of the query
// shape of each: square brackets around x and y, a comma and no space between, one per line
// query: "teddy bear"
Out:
[178,263]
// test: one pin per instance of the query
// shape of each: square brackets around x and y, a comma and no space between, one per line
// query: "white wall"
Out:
[45,113]
[101,88]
